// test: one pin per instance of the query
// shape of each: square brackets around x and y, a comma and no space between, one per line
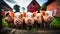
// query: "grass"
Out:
[56,22]
[4,23]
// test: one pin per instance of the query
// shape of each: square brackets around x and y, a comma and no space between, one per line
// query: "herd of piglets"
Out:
[19,18]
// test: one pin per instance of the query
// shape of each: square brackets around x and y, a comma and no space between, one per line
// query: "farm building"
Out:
[54,6]
[5,6]
[33,6]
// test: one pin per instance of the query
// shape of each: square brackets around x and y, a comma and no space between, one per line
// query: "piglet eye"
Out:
[7,14]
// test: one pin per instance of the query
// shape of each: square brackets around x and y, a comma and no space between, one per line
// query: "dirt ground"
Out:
[18,31]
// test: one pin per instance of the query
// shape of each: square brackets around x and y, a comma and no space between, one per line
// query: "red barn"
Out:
[54,6]
[33,6]
[5,6]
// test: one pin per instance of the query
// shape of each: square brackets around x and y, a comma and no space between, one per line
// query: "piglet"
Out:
[48,19]
[10,18]
[18,21]
[29,19]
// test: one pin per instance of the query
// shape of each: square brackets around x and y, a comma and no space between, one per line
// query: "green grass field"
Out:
[4,23]
[56,22]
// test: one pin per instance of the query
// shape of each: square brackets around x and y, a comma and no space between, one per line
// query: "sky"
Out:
[23,3]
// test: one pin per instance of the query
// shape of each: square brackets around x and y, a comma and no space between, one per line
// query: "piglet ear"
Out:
[24,14]
[11,13]
[3,13]
[34,14]
[7,14]
[42,13]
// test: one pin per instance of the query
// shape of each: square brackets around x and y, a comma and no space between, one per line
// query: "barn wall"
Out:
[54,6]
[33,8]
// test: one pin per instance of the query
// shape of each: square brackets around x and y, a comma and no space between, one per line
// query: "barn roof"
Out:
[33,1]
[5,5]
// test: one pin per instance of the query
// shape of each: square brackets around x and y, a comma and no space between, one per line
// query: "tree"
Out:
[17,8]
[23,9]
[49,2]
[43,7]
[45,4]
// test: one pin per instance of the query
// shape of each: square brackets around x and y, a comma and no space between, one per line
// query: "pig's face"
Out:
[18,19]
[18,22]
[9,19]
[48,19]
[29,19]
[38,18]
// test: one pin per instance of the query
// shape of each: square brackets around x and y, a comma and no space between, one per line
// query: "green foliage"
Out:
[43,7]
[34,29]
[23,8]
[4,23]
[56,22]
[17,8]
